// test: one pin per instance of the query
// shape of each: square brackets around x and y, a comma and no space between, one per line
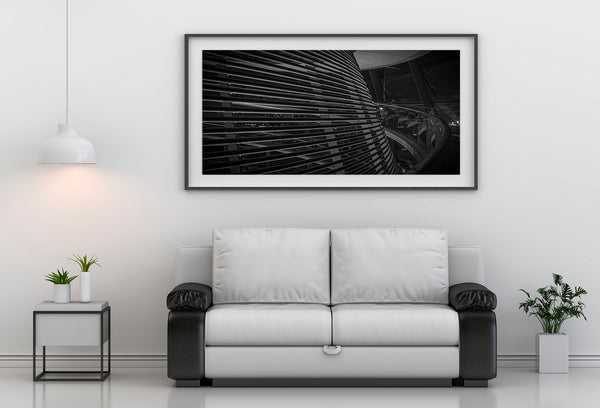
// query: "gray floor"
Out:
[149,387]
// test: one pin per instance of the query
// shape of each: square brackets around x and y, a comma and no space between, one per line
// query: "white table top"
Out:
[93,306]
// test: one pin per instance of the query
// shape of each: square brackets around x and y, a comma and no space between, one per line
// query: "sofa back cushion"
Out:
[274,265]
[389,265]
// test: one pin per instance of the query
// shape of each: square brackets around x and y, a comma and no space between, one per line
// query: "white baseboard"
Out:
[160,361]
[529,361]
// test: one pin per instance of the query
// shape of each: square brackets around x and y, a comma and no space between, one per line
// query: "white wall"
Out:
[536,211]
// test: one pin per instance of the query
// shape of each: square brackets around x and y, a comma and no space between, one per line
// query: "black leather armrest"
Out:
[188,303]
[477,345]
[471,296]
[190,296]
[477,325]
[185,346]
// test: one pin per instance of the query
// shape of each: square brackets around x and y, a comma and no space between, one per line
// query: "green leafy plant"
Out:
[85,263]
[555,304]
[60,277]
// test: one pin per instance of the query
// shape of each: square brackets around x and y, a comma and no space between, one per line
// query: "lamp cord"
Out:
[67,62]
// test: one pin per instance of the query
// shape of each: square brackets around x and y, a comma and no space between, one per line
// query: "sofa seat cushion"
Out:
[408,324]
[395,265]
[277,265]
[263,324]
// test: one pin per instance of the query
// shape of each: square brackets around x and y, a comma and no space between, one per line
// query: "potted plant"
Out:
[62,285]
[85,282]
[554,305]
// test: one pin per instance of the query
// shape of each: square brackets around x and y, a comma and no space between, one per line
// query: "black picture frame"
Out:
[192,184]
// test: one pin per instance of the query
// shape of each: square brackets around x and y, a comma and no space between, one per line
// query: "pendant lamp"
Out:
[67,147]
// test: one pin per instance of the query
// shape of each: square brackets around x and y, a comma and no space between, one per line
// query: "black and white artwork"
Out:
[353,116]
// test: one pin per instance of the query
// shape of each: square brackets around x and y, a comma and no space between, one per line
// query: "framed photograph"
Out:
[331,111]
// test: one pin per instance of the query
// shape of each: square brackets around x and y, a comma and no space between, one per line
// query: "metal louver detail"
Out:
[290,112]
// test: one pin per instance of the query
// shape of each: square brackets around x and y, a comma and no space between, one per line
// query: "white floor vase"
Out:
[553,353]
[85,288]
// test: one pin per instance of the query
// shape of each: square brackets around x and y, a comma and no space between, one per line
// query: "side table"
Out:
[71,324]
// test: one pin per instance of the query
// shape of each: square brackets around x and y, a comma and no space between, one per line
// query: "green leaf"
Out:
[83,261]
[555,304]
[60,277]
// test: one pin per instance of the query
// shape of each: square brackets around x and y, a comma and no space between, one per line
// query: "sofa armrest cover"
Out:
[472,297]
[190,296]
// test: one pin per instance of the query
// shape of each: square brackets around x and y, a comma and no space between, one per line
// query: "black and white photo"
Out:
[324,117]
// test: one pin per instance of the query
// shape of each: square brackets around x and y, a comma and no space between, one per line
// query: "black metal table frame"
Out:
[102,374]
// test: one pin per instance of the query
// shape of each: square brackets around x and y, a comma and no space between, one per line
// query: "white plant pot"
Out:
[553,353]
[85,287]
[62,293]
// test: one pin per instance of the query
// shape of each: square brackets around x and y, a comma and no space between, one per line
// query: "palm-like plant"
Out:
[84,262]
[555,304]
[60,277]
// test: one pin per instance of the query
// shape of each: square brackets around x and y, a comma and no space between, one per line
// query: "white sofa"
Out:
[313,304]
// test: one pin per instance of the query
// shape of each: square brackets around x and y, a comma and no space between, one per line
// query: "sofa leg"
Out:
[188,383]
[475,383]
[459,382]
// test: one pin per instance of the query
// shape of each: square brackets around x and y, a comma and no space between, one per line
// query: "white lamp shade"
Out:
[67,147]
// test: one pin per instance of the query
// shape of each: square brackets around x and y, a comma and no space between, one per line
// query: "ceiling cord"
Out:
[67,62]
